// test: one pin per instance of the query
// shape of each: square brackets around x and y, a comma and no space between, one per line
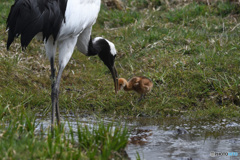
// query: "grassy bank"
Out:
[190,51]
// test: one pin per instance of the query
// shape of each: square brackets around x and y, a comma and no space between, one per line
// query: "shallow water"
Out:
[195,140]
[172,138]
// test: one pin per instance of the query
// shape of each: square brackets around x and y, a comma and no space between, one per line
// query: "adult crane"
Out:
[63,24]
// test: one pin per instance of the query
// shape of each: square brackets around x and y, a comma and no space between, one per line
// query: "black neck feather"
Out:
[92,49]
[101,48]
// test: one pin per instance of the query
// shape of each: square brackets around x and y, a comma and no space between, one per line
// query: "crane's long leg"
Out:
[66,48]
[52,94]
[55,94]
[56,90]
[50,52]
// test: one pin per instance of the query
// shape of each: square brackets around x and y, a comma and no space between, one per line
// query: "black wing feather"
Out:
[29,17]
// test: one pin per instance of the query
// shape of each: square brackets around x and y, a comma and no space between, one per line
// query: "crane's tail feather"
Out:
[29,17]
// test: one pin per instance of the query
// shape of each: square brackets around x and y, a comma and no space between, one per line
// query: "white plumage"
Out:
[80,16]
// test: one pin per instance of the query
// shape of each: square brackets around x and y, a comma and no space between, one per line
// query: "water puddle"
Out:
[171,138]
[187,140]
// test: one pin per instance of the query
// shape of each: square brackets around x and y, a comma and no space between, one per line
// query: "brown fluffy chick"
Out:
[141,85]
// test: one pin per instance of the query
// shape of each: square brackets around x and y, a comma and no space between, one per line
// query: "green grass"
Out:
[190,51]
[19,140]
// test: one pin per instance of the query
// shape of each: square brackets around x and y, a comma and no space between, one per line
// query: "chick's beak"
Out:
[115,77]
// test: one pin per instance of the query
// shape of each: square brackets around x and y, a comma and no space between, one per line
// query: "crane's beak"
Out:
[115,77]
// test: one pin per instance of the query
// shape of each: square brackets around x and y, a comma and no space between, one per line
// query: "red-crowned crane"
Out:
[63,24]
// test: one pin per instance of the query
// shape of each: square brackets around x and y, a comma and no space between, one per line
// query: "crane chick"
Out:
[141,85]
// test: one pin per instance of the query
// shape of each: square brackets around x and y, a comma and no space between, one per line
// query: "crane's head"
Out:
[107,53]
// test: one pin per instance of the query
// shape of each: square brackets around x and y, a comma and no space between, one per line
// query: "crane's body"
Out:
[63,24]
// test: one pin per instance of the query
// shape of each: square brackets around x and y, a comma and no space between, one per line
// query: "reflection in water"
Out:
[171,139]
